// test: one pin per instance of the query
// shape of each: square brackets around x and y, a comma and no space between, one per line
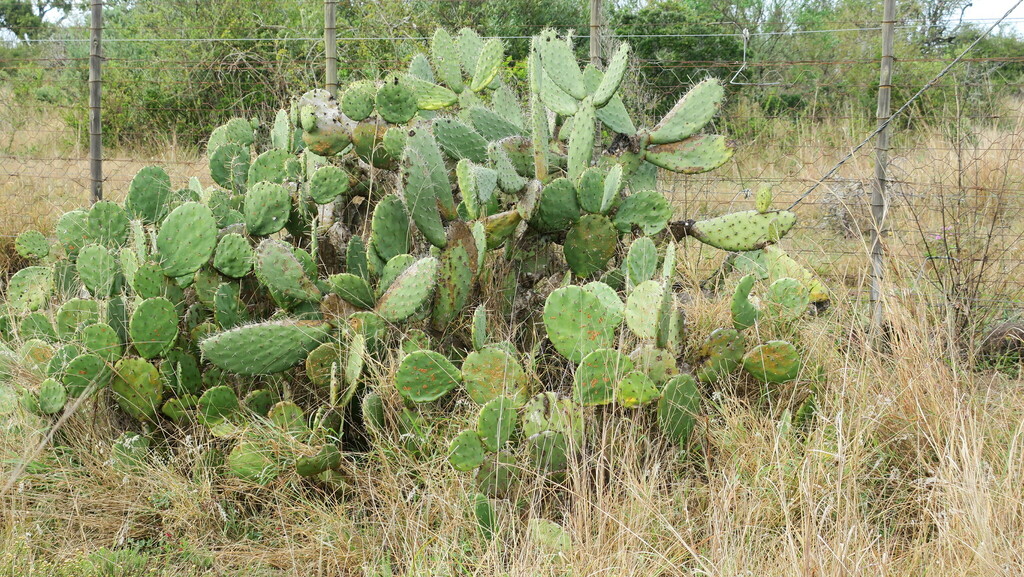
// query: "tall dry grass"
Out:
[911,466]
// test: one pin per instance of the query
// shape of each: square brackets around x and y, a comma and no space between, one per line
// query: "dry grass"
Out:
[913,464]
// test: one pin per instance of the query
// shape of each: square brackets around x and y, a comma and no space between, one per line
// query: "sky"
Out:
[987,11]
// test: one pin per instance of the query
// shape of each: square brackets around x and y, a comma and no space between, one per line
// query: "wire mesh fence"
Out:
[956,174]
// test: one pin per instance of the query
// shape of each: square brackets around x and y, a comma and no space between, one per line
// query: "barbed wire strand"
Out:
[905,106]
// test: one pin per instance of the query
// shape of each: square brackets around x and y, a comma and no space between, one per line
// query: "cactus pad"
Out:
[32,244]
[744,313]
[496,422]
[98,270]
[635,390]
[558,207]
[137,388]
[390,233]
[278,268]
[103,341]
[643,309]
[722,352]
[73,316]
[253,463]
[466,451]
[447,60]
[787,299]
[559,62]
[233,256]
[328,183]
[409,291]
[266,348]
[108,224]
[229,166]
[426,376]
[597,375]
[646,209]
[52,397]
[490,373]
[497,475]
[30,288]
[577,322]
[590,244]
[154,327]
[358,100]
[149,195]
[460,141]
[581,140]
[641,261]
[186,240]
[549,451]
[743,231]
[773,362]
[456,272]
[678,408]
[216,404]
[396,101]
[695,109]
[86,372]
[267,207]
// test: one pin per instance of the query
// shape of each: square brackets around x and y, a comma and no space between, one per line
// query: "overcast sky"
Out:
[990,10]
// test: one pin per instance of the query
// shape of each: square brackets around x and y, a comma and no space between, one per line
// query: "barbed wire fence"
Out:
[955,167]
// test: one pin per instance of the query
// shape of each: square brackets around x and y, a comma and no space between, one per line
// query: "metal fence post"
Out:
[595,34]
[95,93]
[331,44]
[879,190]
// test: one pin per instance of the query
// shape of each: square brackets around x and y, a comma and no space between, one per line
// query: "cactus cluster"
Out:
[372,229]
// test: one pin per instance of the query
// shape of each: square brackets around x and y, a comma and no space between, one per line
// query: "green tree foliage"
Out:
[671,63]
[33,18]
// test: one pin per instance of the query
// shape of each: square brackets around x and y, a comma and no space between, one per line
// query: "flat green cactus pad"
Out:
[233,256]
[254,463]
[557,208]
[86,372]
[559,62]
[390,232]
[498,475]
[358,100]
[491,373]
[466,451]
[643,309]
[137,388]
[149,195]
[98,269]
[744,313]
[787,299]
[154,327]
[73,316]
[695,109]
[411,290]
[577,322]
[549,451]
[267,206]
[645,209]
[396,101]
[186,240]
[52,397]
[597,376]
[328,183]
[743,231]
[73,231]
[108,224]
[722,352]
[265,348]
[229,166]
[635,390]
[641,261]
[426,376]
[678,408]
[590,244]
[773,362]
[32,244]
[278,267]
[216,404]
[496,422]
[460,141]
[319,363]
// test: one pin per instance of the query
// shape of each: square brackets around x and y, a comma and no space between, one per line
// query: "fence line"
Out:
[968,152]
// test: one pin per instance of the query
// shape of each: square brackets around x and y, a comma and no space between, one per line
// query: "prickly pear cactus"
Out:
[436,232]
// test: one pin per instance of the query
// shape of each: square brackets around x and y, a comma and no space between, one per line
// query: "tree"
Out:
[33,18]
[679,42]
